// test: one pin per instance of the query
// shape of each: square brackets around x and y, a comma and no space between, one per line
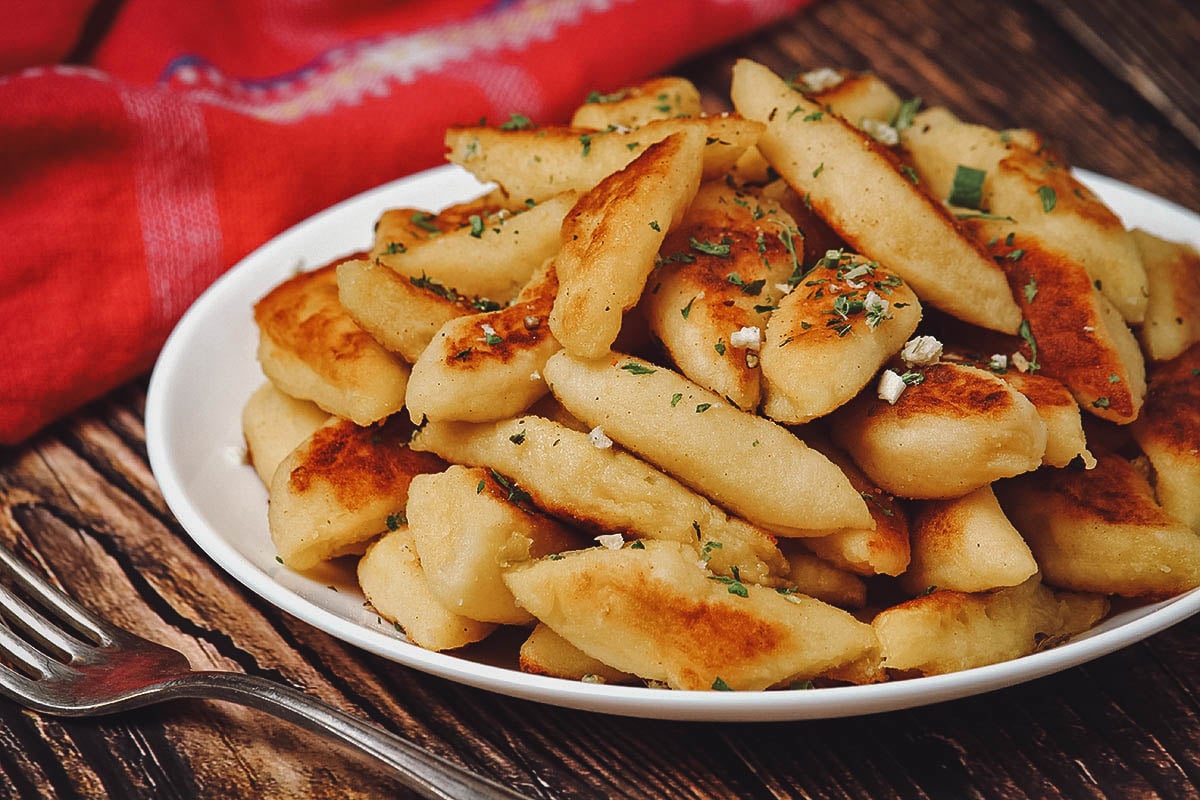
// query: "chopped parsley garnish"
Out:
[479,486]
[814,116]
[707,550]
[492,339]
[395,247]
[720,685]
[820,168]
[734,585]
[675,398]
[427,283]
[687,309]
[787,237]
[905,114]
[462,355]
[425,222]
[395,520]
[1031,290]
[516,122]
[720,347]
[476,226]
[1049,198]
[483,304]
[654,226]
[634,368]
[967,188]
[586,140]
[1101,402]
[700,409]
[515,494]
[911,378]
[754,288]
[712,248]
[911,174]
[615,97]
[1114,378]
[637,546]
[517,438]
[1026,333]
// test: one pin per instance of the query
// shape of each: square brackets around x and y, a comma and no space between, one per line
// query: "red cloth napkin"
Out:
[198,130]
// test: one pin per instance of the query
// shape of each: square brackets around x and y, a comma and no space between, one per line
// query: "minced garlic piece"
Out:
[749,337]
[921,351]
[891,386]
[613,541]
[598,439]
[818,80]
[881,132]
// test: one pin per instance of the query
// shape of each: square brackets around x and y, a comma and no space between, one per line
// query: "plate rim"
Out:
[633,701]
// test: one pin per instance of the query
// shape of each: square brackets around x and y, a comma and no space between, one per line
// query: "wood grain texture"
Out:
[80,502]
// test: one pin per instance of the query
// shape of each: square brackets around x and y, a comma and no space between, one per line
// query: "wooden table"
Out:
[1113,83]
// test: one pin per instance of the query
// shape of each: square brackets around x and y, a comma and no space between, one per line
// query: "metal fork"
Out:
[73,663]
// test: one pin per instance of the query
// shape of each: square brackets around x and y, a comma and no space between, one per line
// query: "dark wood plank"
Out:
[1150,46]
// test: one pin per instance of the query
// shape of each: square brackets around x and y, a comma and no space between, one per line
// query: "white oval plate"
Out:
[208,369]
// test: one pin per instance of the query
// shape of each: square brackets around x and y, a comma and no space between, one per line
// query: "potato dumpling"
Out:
[340,488]
[311,348]
[955,430]
[655,612]
[394,583]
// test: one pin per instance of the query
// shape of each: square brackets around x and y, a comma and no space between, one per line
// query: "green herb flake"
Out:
[479,486]
[425,222]
[720,685]
[1101,402]
[814,116]
[820,168]
[395,520]
[720,347]
[967,188]
[476,225]
[1026,333]
[720,249]
[1031,290]
[635,368]
[654,226]
[683,312]
[394,248]
[515,494]
[700,409]
[492,339]
[1114,378]
[516,122]
[517,438]
[614,97]
[1049,198]
[462,355]
[675,398]
[905,114]
[637,546]
[911,174]
[707,550]
[734,585]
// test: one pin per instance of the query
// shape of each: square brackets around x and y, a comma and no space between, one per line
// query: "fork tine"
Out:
[83,621]
[33,660]
[45,632]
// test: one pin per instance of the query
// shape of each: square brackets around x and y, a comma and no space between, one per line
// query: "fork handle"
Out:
[430,775]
